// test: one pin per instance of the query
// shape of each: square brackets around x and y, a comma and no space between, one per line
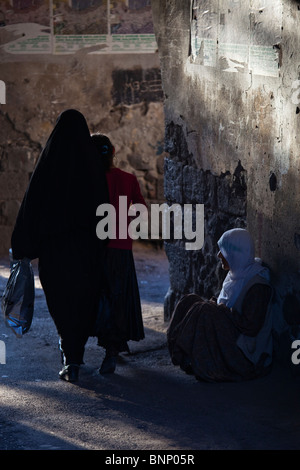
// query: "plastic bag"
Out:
[17,301]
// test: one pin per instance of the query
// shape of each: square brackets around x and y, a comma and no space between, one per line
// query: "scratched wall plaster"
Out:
[230,35]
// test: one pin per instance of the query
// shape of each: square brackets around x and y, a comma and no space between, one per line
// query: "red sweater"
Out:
[121,183]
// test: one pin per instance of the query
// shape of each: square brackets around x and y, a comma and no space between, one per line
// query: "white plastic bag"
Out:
[17,301]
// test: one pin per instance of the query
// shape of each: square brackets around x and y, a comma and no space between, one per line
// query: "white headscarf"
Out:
[237,247]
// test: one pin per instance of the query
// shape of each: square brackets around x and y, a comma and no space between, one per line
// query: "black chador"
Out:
[57,224]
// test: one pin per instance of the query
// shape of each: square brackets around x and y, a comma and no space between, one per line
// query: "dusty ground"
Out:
[148,404]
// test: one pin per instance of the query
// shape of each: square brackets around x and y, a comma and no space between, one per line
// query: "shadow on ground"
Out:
[148,404]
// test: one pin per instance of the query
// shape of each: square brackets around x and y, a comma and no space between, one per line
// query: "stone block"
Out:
[21,159]
[160,162]
[232,192]
[180,267]
[13,185]
[160,189]
[176,144]
[8,212]
[139,162]
[198,186]
[151,190]
[151,176]
[173,181]
[5,238]
[143,187]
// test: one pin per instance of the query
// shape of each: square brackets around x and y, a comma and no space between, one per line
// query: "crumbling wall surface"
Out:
[119,94]
[224,199]
[230,73]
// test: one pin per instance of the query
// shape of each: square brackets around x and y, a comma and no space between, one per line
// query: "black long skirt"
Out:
[119,315]
[70,270]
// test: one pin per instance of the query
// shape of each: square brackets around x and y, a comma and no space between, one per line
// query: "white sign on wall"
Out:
[237,36]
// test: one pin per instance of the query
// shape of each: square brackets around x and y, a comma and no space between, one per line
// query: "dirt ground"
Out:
[148,404]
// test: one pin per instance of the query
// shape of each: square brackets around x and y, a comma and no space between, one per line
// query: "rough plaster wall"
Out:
[232,120]
[39,87]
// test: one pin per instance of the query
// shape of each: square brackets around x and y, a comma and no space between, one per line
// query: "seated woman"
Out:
[230,338]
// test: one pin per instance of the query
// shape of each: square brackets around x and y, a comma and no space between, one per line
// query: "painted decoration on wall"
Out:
[25,26]
[66,26]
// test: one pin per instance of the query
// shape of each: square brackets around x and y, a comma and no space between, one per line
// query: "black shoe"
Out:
[108,365]
[69,373]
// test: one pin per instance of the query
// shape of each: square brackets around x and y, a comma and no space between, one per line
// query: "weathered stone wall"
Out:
[230,72]
[119,94]
[224,198]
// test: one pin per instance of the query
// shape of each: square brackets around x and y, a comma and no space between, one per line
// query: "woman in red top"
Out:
[120,313]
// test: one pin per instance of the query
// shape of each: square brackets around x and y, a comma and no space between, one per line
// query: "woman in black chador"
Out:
[57,224]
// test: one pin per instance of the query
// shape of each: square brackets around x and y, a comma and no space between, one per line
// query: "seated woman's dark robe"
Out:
[203,337]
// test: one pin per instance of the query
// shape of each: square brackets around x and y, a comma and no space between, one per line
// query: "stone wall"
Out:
[230,73]
[120,94]
[224,198]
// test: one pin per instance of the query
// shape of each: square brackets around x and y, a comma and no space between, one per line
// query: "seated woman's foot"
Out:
[69,373]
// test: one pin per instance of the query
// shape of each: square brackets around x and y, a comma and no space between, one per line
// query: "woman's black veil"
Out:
[65,189]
